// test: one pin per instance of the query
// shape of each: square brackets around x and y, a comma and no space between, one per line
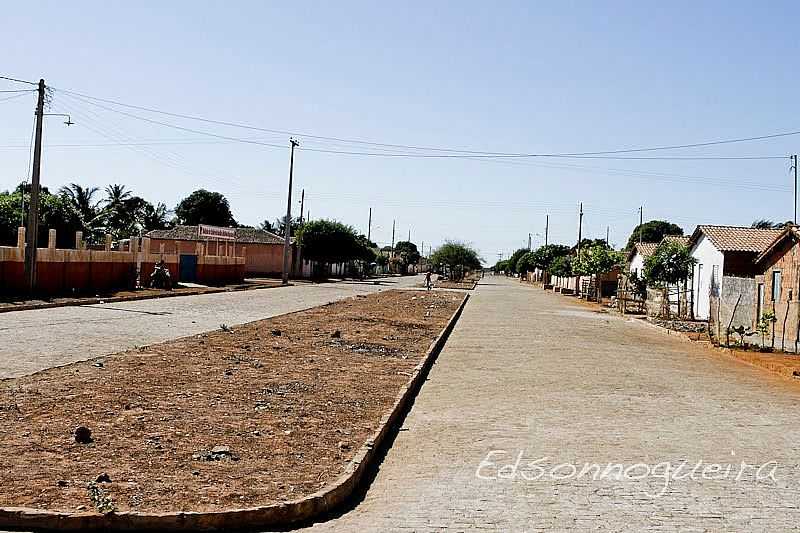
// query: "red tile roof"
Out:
[788,231]
[736,238]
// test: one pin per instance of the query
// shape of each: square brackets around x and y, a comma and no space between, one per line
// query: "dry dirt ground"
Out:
[239,417]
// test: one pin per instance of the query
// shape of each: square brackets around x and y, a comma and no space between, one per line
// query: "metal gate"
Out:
[188,268]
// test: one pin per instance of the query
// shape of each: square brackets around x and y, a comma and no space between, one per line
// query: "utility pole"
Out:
[641,221]
[369,225]
[529,242]
[393,222]
[302,201]
[608,230]
[546,228]
[580,228]
[409,234]
[288,231]
[794,167]
[22,214]
[33,208]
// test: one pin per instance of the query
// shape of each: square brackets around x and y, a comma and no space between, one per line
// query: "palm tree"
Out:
[90,212]
[116,195]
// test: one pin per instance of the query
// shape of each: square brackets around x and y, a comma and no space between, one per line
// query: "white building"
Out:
[723,251]
[638,254]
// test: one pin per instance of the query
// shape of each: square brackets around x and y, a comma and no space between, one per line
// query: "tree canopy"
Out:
[457,257]
[407,253]
[669,263]
[561,266]
[653,231]
[328,241]
[597,259]
[544,255]
[764,223]
[205,207]
[512,261]
[525,263]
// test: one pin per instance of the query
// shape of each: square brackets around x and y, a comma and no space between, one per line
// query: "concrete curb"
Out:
[276,515]
[132,298]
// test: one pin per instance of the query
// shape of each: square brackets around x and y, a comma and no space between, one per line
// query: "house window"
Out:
[776,285]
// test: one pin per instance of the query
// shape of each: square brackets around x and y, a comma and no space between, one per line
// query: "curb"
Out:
[275,515]
[117,299]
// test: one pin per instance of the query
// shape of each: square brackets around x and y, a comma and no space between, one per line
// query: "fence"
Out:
[79,270]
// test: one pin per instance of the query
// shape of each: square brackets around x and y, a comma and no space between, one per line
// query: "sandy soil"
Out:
[260,413]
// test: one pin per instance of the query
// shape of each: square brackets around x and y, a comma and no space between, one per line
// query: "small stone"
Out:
[63,483]
[336,334]
[343,445]
[276,333]
[80,508]
[256,433]
[229,372]
[195,472]
[221,450]
[83,435]
[287,432]
[103,478]
[99,364]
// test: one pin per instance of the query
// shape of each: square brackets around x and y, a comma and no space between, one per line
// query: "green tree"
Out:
[408,254]
[205,207]
[561,266]
[596,260]
[653,231]
[328,242]
[669,264]
[501,266]
[457,258]
[92,214]
[544,255]
[764,223]
[525,263]
[512,261]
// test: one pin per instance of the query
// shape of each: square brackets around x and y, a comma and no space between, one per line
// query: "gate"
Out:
[188,268]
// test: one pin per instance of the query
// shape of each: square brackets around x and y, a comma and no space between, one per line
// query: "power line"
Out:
[18,81]
[18,91]
[427,148]
[7,98]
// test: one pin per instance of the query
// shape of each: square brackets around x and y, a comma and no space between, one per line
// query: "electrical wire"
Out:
[18,81]
[7,98]
[436,149]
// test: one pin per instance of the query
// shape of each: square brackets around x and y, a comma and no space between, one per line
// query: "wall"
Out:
[725,311]
[637,264]
[784,334]
[261,259]
[707,257]
[67,271]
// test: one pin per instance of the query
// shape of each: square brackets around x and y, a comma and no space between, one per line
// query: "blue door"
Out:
[188,268]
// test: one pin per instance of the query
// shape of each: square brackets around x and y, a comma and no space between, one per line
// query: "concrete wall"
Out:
[710,261]
[725,311]
[67,271]
[637,264]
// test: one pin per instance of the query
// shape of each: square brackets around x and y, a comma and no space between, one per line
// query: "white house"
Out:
[723,251]
[638,254]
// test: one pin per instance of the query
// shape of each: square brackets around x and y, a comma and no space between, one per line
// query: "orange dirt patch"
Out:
[778,363]
[287,401]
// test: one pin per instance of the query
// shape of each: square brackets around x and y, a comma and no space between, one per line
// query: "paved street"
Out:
[535,373]
[33,340]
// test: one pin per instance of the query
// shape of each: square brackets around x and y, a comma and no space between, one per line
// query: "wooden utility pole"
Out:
[33,208]
[409,234]
[302,201]
[794,167]
[608,230]
[288,230]
[529,242]
[641,221]
[580,228]
[546,228]
[369,225]
[393,223]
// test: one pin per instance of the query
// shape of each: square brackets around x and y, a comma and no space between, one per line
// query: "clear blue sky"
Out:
[488,76]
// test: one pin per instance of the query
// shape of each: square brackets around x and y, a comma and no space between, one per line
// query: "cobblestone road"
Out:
[33,340]
[535,373]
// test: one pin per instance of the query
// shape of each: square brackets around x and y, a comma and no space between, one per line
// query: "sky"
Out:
[513,77]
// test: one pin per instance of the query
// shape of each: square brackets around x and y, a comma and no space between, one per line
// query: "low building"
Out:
[722,251]
[777,288]
[262,250]
[637,256]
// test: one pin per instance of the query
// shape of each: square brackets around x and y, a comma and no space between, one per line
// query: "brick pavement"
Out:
[38,339]
[534,372]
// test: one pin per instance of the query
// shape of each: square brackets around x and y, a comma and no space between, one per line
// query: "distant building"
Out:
[777,288]
[262,250]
